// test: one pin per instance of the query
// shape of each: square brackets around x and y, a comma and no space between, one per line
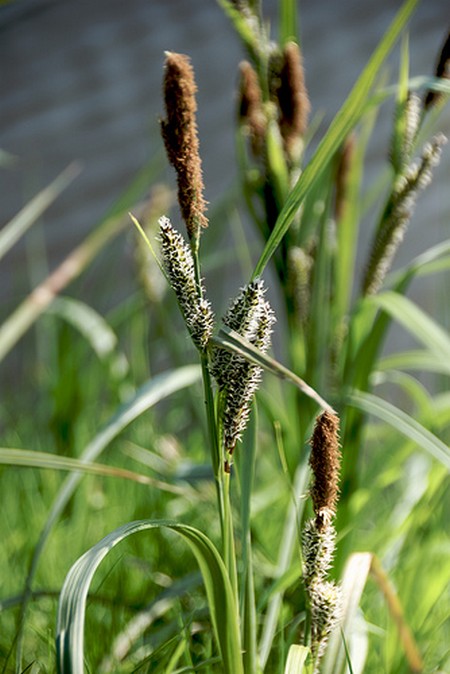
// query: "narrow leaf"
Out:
[405,635]
[416,321]
[17,227]
[417,359]
[354,580]
[94,328]
[403,423]
[232,341]
[44,460]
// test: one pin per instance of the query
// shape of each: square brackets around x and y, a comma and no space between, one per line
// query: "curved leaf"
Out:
[233,342]
[148,395]
[416,321]
[17,227]
[72,604]
[415,359]
[94,328]
[44,460]
[403,423]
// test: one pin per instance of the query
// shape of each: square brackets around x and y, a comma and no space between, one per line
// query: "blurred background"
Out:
[82,81]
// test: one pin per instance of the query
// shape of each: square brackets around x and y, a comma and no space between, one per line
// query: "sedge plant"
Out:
[285,589]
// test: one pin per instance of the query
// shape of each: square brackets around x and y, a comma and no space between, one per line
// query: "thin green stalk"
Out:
[222,478]
[229,547]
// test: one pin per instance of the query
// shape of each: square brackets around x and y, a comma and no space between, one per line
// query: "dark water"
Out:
[82,80]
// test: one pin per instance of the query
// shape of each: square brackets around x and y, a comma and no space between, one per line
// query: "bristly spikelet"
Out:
[318,551]
[244,380]
[179,266]
[179,131]
[406,127]
[442,71]
[243,316]
[326,611]
[398,213]
[252,317]
[325,463]
[299,266]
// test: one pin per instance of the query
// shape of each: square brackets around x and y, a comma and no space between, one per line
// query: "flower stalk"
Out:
[319,535]
[179,132]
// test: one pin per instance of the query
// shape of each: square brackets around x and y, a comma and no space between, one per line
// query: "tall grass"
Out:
[298,564]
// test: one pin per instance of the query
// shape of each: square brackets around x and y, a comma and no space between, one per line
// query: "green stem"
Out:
[221,477]
[228,542]
[217,463]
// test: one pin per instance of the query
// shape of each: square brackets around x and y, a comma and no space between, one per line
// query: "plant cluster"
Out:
[302,478]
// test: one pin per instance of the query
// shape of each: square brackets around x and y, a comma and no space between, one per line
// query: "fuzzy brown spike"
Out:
[250,107]
[346,156]
[443,71]
[293,99]
[325,462]
[179,131]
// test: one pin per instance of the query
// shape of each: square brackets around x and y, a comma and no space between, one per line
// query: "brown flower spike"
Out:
[325,464]
[179,131]
[293,99]
[250,107]
[442,71]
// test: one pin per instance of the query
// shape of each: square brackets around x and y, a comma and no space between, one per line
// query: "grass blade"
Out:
[296,660]
[416,359]
[23,317]
[15,228]
[342,124]
[354,579]
[44,460]
[95,329]
[289,540]
[405,635]
[416,321]
[232,341]
[72,604]
[402,422]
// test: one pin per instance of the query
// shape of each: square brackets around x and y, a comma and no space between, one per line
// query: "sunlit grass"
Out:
[109,458]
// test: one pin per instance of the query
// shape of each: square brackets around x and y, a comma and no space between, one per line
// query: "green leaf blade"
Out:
[72,604]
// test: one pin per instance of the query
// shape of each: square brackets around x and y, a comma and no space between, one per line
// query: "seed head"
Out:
[326,610]
[179,266]
[318,551]
[292,98]
[408,115]
[250,107]
[243,316]
[179,132]
[443,71]
[325,462]
[250,315]
[398,213]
